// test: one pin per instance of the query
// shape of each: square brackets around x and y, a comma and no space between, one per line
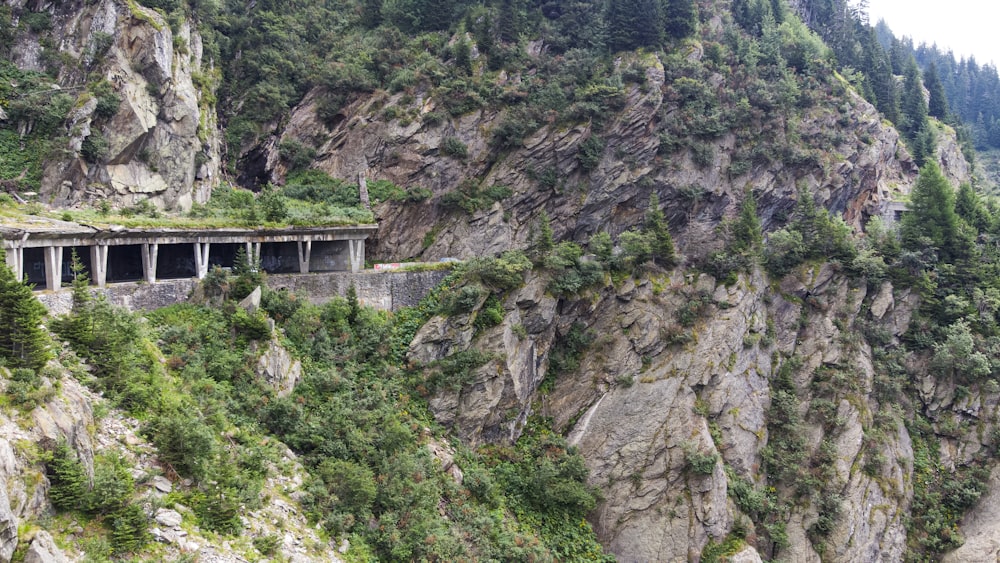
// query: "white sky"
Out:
[967,27]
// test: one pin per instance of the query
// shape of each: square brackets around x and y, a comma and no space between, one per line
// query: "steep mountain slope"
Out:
[669,285]
[141,124]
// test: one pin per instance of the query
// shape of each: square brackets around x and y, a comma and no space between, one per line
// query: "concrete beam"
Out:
[99,264]
[149,252]
[201,259]
[305,250]
[356,249]
[53,267]
[42,239]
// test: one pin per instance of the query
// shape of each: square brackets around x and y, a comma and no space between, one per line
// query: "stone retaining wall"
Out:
[386,290]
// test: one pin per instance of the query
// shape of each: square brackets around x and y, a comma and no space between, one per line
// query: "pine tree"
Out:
[656,225]
[680,18]
[248,274]
[633,24]
[913,106]
[970,207]
[371,13]
[78,327]
[747,235]
[931,217]
[129,530]
[23,342]
[938,104]
[67,479]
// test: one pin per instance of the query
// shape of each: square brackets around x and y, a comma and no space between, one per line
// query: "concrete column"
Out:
[356,250]
[15,260]
[149,252]
[305,250]
[253,252]
[201,258]
[53,267]
[99,264]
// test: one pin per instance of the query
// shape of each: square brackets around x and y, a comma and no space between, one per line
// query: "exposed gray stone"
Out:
[168,518]
[161,483]
[43,549]
[252,302]
[8,525]
[278,368]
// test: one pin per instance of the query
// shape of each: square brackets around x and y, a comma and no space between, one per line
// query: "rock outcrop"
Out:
[865,166]
[161,144]
[655,397]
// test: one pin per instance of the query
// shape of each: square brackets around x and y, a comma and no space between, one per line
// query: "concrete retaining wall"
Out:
[386,290]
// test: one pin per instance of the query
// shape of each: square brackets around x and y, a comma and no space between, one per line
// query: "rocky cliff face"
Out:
[671,413]
[852,161]
[66,413]
[161,143]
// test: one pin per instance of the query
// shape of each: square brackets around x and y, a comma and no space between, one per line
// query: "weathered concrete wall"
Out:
[388,291]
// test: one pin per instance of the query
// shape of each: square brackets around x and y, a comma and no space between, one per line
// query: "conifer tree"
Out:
[67,480]
[23,342]
[747,235]
[913,122]
[931,217]
[680,18]
[970,207]
[938,105]
[633,24]
[78,328]
[662,244]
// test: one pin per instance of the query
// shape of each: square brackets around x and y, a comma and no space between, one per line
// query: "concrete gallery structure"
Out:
[42,254]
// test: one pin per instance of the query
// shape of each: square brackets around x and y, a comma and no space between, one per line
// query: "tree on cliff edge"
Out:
[23,342]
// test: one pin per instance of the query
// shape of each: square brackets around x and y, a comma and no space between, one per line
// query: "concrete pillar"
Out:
[53,267]
[356,250]
[253,253]
[149,252]
[99,264]
[305,250]
[15,261]
[201,258]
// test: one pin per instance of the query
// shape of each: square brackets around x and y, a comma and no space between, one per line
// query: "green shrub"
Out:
[462,301]
[504,273]
[491,314]
[218,510]
[68,482]
[253,326]
[267,545]
[568,349]
[417,195]
[113,485]
[457,370]
[589,155]
[352,485]
[296,155]
[471,197]
[184,442]
[25,389]
[452,146]
[94,147]
[107,100]
[698,462]
[129,530]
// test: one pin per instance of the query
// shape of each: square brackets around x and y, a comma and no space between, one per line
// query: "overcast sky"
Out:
[967,27]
